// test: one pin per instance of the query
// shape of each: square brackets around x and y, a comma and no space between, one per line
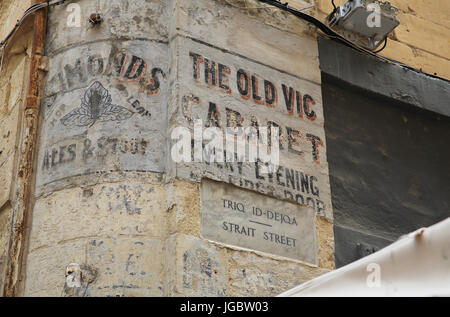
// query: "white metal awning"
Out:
[418,264]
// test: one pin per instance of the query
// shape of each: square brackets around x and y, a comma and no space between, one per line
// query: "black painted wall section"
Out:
[368,72]
[389,164]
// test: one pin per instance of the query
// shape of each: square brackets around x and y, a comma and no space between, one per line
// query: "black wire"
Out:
[333,35]
[331,15]
[384,46]
[319,24]
[31,9]
[302,15]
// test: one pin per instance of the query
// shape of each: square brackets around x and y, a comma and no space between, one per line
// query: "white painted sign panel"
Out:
[222,89]
[250,220]
[104,112]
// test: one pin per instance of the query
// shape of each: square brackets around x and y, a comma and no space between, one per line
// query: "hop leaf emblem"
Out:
[95,106]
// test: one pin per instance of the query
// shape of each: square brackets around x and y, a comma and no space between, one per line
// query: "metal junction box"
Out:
[371,19]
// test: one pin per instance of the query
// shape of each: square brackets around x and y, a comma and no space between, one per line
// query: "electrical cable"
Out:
[35,7]
[321,26]
[330,33]
[263,7]
[332,14]
[334,6]
[382,48]
[27,12]
[327,31]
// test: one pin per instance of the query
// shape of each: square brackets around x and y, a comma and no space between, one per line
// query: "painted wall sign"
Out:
[105,111]
[250,220]
[96,106]
[223,89]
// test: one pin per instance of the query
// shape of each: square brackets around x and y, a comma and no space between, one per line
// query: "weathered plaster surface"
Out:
[108,195]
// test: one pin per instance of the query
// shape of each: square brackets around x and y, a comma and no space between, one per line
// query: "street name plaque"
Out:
[250,220]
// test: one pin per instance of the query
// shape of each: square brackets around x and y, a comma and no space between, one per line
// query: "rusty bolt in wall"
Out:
[95,18]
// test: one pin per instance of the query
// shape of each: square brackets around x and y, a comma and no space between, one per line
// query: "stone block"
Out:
[104,210]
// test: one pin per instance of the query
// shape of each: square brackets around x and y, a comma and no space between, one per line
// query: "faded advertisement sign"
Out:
[225,90]
[250,220]
[105,111]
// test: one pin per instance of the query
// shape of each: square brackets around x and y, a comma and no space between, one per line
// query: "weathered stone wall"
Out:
[109,197]
[108,194]
[13,79]
[10,12]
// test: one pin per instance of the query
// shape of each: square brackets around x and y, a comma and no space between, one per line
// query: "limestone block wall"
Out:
[13,79]
[108,194]
[10,12]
